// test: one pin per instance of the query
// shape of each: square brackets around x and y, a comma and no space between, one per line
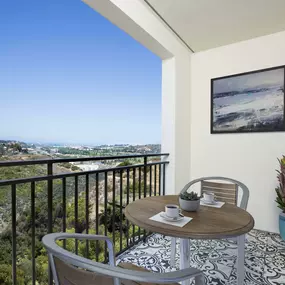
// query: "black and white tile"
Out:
[264,258]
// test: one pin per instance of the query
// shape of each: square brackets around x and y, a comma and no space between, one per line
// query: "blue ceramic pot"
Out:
[282,225]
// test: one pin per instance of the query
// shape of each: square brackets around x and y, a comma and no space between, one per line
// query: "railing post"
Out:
[134,198]
[163,180]
[163,175]
[144,187]
[128,200]
[121,210]
[33,191]
[76,211]
[14,233]
[64,208]
[87,211]
[114,207]
[97,215]
[50,194]
[105,212]
[145,175]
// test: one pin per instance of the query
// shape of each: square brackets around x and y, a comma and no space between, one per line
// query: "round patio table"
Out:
[228,221]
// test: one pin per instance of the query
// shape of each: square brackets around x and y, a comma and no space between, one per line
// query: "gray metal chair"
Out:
[71,269]
[226,192]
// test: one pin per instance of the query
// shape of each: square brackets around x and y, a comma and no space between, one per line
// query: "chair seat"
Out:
[70,275]
[134,267]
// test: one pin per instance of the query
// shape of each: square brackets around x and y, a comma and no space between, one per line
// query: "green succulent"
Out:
[280,190]
[192,196]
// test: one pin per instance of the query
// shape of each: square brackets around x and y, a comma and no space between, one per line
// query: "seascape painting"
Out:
[250,102]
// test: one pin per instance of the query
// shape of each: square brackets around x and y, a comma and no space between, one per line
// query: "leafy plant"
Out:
[280,190]
[192,196]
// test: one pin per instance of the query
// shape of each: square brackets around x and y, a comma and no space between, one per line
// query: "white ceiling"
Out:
[205,24]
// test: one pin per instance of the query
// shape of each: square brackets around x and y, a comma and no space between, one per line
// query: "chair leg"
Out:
[240,259]
[185,257]
[173,252]
[116,281]
[199,280]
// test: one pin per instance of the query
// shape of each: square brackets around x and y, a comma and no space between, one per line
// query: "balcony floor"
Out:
[264,264]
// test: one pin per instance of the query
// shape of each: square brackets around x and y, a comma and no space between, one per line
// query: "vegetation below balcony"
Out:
[122,185]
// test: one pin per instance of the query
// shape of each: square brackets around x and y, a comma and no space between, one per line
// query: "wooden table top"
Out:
[207,223]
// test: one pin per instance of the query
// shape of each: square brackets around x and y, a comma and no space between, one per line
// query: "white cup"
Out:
[209,197]
[172,211]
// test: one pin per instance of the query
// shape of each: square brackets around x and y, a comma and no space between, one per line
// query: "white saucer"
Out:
[165,217]
[208,202]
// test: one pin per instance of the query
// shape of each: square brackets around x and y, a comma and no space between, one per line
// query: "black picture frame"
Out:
[278,126]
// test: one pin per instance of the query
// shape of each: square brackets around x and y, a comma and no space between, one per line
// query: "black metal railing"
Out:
[84,201]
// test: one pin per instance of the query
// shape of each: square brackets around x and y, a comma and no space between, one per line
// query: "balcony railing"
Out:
[83,201]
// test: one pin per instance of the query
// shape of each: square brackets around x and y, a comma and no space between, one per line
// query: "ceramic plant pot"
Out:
[190,206]
[282,225]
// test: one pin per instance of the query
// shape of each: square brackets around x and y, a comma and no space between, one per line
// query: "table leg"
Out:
[185,256]
[240,259]
[173,252]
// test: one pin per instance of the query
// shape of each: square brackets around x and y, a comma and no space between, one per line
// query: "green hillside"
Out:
[24,222]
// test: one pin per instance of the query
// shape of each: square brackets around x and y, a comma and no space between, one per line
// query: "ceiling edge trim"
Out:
[165,22]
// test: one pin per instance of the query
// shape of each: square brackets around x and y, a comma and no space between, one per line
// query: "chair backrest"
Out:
[71,269]
[71,275]
[227,192]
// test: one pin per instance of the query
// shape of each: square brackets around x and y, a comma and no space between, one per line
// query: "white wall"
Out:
[250,158]
[176,120]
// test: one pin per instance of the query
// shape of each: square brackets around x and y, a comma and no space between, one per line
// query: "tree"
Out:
[75,168]
[107,220]
[6,275]
[81,221]
[125,163]
[136,187]
[2,149]
[16,147]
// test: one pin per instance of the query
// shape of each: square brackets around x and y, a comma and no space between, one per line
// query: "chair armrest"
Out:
[60,236]
[112,271]
[133,275]
[150,277]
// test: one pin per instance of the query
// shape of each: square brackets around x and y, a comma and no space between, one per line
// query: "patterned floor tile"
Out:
[264,258]
[274,268]
[276,242]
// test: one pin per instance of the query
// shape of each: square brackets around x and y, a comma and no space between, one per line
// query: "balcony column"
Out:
[176,120]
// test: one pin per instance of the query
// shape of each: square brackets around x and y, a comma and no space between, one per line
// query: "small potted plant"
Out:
[280,199]
[189,201]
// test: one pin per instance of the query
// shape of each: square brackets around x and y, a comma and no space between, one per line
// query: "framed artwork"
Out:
[248,102]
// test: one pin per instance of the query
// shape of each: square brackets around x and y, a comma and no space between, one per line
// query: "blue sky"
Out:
[69,75]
